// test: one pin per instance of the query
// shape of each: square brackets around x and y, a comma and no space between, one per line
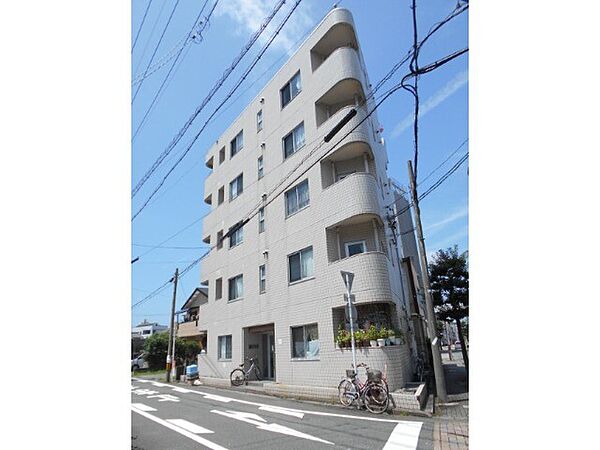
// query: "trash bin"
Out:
[191,372]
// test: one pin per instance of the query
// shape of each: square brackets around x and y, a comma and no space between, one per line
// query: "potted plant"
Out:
[399,337]
[372,336]
[341,338]
[381,337]
[359,337]
[391,336]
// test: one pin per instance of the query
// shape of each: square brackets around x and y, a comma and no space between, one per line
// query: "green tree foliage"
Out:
[449,280]
[186,351]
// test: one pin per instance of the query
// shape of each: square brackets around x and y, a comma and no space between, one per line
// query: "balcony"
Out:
[350,158]
[188,329]
[339,35]
[347,92]
[356,235]
[354,195]
[209,162]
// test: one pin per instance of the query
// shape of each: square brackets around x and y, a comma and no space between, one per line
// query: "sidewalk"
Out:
[451,427]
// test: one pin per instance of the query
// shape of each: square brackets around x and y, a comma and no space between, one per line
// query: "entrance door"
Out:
[271,356]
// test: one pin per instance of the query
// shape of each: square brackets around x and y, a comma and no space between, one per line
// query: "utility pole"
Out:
[171,346]
[348,278]
[438,369]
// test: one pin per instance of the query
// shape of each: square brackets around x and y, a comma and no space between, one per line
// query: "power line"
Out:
[231,92]
[188,39]
[155,50]
[141,25]
[210,95]
[445,160]
[158,16]
[168,247]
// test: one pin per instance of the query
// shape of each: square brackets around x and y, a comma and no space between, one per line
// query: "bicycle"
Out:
[239,376]
[373,393]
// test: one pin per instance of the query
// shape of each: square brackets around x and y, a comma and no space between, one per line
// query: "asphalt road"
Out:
[177,417]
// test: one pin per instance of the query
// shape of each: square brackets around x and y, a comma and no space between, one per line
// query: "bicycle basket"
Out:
[350,373]
[374,375]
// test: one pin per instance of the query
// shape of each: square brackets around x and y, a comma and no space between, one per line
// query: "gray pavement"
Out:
[183,417]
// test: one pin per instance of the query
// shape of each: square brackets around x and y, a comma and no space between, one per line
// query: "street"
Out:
[172,417]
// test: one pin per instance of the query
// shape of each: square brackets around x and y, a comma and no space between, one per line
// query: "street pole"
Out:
[171,339]
[448,338]
[438,369]
[351,326]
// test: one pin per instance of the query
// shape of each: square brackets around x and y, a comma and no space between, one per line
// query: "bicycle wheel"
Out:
[237,377]
[347,392]
[376,398]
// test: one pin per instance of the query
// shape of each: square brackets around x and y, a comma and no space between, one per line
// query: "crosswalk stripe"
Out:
[143,407]
[191,427]
[404,437]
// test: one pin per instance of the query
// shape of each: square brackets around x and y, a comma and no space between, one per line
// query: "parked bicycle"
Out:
[372,393]
[240,375]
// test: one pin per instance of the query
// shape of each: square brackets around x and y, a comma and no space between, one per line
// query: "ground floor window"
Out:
[305,341]
[224,347]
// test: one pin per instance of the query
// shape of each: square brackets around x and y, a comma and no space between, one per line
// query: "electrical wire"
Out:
[141,25]
[444,161]
[209,96]
[231,92]
[156,49]
[162,85]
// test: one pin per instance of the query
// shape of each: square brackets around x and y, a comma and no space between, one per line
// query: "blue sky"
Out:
[385,34]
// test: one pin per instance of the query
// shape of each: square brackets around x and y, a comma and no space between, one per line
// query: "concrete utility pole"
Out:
[171,346]
[348,278]
[438,369]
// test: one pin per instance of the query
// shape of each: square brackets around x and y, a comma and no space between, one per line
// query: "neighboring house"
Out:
[147,329]
[188,327]
[274,286]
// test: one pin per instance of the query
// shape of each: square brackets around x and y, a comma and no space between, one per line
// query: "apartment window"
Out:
[219,239]
[354,248]
[236,287]
[291,89]
[237,237]
[236,187]
[261,168]
[221,195]
[293,141]
[297,198]
[146,332]
[262,279]
[224,347]
[300,265]
[305,341]
[222,156]
[237,143]
[259,121]
[218,288]
[261,220]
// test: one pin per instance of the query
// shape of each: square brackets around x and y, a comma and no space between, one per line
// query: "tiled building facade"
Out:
[274,287]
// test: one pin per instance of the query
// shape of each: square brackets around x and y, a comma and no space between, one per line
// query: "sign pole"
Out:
[348,278]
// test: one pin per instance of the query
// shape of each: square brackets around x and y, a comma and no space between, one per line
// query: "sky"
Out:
[384,31]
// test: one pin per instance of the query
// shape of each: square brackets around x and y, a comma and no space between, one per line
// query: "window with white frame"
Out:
[305,341]
[259,120]
[261,167]
[236,287]
[300,265]
[262,279]
[224,348]
[297,198]
[291,89]
[293,141]
[354,248]
[261,220]
[237,237]
[236,187]
[237,143]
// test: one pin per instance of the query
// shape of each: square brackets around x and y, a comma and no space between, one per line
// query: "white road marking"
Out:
[191,427]
[143,407]
[273,427]
[404,437]
[218,398]
[165,397]
[182,390]
[180,430]
[141,380]
[156,383]
[287,412]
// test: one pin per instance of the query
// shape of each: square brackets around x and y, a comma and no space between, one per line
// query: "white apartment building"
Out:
[146,329]
[274,286]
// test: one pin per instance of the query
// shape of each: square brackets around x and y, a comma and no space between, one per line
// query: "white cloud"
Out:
[459,214]
[432,102]
[448,241]
[249,15]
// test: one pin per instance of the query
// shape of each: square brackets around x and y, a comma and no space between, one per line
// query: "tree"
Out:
[156,350]
[449,281]
[137,345]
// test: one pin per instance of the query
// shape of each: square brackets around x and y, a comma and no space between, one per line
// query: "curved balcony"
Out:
[354,195]
[343,63]
[371,280]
